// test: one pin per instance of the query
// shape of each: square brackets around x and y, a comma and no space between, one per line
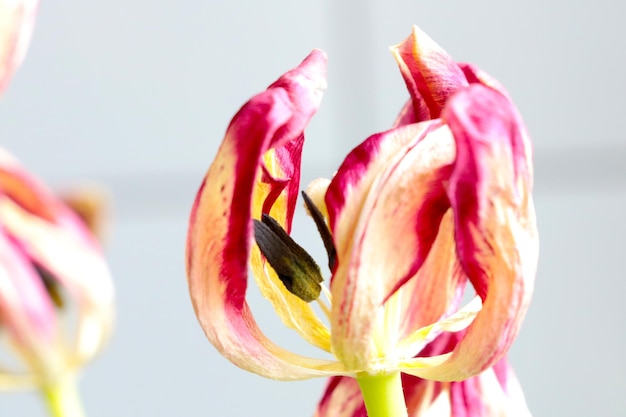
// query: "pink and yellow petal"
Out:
[430,74]
[494,222]
[17,18]
[275,193]
[426,298]
[342,398]
[398,221]
[220,235]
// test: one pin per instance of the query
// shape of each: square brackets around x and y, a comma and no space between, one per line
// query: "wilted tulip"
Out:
[56,293]
[410,217]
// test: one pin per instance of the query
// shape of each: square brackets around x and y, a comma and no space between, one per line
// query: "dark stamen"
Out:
[51,285]
[294,266]
[323,230]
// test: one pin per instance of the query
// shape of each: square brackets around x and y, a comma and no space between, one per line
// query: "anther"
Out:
[294,266]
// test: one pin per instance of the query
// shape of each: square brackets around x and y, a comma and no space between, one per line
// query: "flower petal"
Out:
[220,229]
[25,308]
[17,18]
[342,398]
[492,393]
[430,74]
[384,229]
[427,297]
[494,223]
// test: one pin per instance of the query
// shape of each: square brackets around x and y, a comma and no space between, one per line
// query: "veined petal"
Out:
[342,398]
[430,74]
[494,224]
[475,75]
[427,297]
[397,220]
[17,18]
[219,239]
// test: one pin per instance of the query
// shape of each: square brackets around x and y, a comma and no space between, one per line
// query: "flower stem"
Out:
[62,398]
[383,395]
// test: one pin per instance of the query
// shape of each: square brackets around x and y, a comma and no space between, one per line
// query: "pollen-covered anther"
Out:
[294,266]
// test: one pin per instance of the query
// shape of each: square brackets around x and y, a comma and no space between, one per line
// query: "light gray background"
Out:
[137,95]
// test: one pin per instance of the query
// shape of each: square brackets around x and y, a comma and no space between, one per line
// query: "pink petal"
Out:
[494,222]
[342,398]
[220,235]
[430,74]
[17,18]
[385,205]
[25,307]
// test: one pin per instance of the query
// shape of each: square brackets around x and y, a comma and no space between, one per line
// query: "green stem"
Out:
[62,398]
[383,395]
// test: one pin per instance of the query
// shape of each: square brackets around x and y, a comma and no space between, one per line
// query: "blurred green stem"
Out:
[383,395]
[62,398]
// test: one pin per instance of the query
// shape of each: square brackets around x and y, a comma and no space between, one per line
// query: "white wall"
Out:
[137,95]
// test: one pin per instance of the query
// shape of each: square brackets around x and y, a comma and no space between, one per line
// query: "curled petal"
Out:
[475,75]
[430,74]
[495,229]
[249,176]
[17,18]
[400,201]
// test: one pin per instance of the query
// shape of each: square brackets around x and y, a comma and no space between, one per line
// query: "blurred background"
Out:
[137,95]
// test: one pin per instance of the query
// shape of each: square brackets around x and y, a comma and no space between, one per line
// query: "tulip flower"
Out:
[411,216]
[493,393]
[56,294]
[17,18]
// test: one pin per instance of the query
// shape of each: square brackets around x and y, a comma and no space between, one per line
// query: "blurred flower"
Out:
[17,18]
[493,393]
[410,217]
[56,294]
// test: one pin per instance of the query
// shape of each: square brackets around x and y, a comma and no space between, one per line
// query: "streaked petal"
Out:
[219,239]
[426,297]
[475,75]
[342,398]
[430,74]
[494,224]
[398,220]
[17,18]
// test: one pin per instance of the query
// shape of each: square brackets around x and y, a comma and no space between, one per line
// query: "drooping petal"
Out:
[17,18]
[262,140]
[430,74]
[494,224]
[385,204]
